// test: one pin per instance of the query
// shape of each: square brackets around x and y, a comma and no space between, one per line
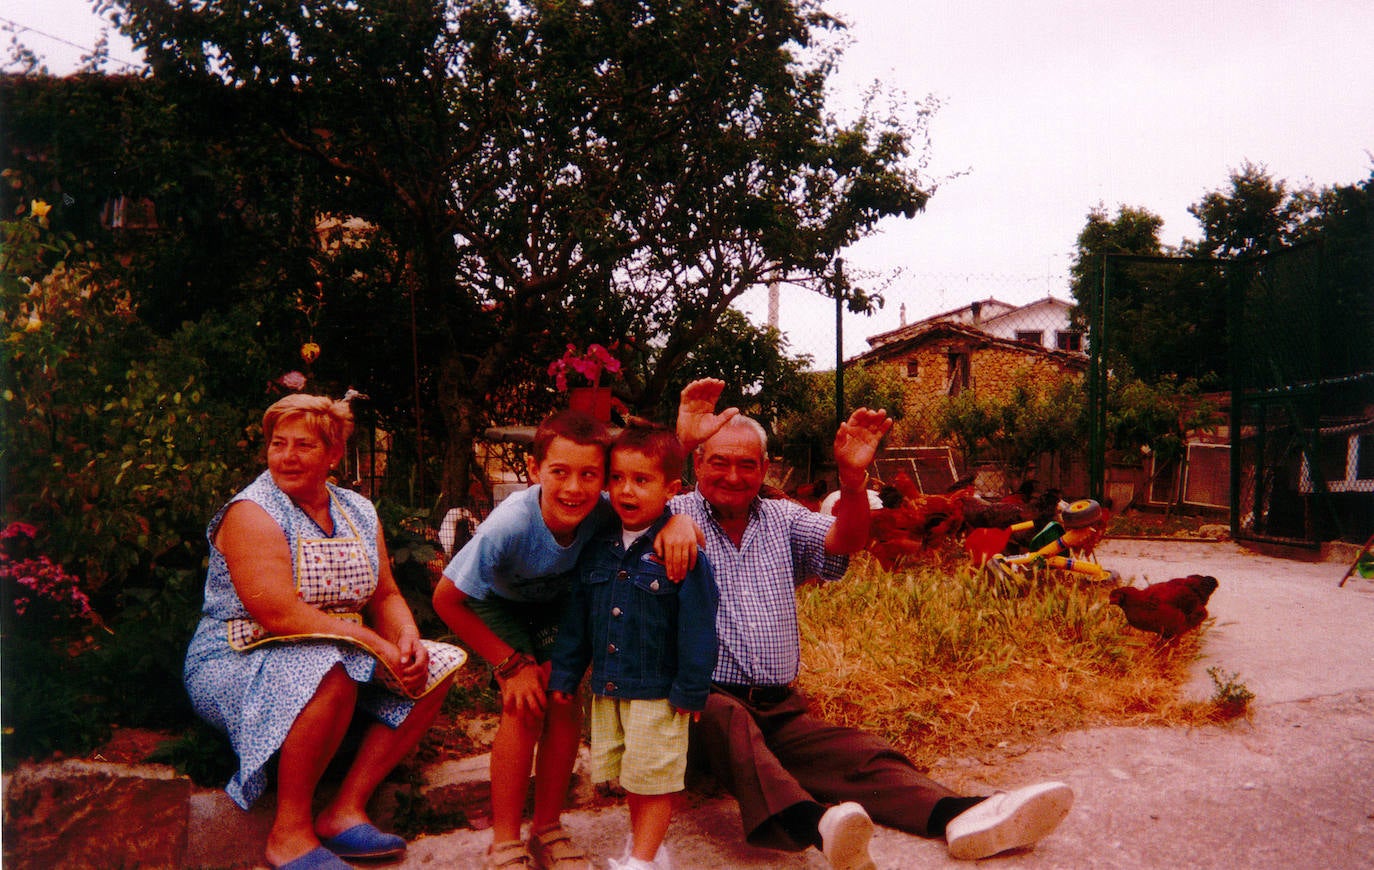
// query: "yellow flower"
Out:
[310,351]
[39,208]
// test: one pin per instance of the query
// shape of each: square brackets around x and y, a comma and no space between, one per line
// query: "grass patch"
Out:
[946,661]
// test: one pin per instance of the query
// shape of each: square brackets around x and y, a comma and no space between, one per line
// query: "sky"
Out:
[1046,110]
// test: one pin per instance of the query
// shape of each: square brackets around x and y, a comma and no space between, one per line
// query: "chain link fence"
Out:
[1303,412]
[1287,342]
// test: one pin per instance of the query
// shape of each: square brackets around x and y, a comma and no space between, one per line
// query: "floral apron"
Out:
[336,576]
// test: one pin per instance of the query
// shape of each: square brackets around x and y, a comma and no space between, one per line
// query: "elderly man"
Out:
[801,781]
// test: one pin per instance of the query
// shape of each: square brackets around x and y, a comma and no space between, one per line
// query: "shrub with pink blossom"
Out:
[36,584]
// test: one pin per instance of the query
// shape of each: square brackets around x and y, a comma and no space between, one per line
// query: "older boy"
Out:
[651,643]
[503,596]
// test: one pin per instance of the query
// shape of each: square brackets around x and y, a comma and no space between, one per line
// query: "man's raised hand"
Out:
[697,419]
[856,442]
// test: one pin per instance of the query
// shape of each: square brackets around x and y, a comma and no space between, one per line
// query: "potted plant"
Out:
[578,373]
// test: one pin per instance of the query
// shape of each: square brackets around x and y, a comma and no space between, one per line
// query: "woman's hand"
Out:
[389,654]
[414,657]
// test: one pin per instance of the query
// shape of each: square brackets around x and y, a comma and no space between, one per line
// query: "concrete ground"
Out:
[1287,787]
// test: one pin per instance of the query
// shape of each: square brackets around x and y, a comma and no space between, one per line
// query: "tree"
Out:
[1164,316]
[809,430]
[1342,218]
[548,171]
[1256,215]
[1134,231]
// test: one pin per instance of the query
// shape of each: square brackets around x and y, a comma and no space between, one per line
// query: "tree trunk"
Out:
[460,417]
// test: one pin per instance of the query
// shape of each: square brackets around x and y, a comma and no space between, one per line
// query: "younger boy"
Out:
[503,595]
[651,643]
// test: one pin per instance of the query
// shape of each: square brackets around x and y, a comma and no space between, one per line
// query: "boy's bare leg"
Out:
[649,818]
[512,752]
[553,769]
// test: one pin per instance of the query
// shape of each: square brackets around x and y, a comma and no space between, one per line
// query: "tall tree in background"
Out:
[1254,215]
[548,171]
[1342,217]
[1171,319]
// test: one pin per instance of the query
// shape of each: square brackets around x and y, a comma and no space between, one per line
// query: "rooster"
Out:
[1168,608]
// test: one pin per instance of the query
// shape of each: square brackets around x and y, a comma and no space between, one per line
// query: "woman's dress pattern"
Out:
[256,695]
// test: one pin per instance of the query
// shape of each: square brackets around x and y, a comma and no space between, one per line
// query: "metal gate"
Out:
[1297,361]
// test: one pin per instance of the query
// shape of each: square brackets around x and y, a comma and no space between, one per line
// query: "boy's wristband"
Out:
[511,664]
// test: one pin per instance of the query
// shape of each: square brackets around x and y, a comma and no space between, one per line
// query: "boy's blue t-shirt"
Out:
[514,555]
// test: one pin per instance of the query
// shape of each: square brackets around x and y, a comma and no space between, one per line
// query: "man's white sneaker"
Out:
[845,831]
[1008,820]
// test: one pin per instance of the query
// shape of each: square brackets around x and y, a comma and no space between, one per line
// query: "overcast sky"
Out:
[1049,108]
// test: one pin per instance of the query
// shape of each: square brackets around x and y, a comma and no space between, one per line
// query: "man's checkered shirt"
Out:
[783,545]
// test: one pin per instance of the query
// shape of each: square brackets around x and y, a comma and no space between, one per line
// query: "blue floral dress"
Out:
[253,687]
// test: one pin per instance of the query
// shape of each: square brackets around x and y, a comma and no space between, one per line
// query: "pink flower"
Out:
[16,529]
[589,365]
[41,577]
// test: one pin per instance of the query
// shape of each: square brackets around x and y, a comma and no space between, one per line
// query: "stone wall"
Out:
[993,370]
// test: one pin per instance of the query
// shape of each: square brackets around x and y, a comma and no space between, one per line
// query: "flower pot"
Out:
[595,401]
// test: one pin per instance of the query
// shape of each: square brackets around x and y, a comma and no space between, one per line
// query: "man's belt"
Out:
[756,696]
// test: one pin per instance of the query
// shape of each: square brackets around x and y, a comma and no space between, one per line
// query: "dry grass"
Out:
[949,662]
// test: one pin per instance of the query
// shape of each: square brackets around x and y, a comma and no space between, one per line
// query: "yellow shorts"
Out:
[642,742]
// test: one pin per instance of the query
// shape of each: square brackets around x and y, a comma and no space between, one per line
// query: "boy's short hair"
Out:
[654,441]
[574,426]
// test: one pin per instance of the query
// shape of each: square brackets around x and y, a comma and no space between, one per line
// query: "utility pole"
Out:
[839,342]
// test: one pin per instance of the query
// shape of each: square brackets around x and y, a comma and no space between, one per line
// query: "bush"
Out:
[116,456]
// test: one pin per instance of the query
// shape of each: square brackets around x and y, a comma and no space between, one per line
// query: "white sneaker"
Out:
[845,831]
[1008,820]
[661,861]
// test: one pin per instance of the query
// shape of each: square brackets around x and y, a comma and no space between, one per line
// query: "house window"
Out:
[913,368]
[1032,336]
[1344,462]
[1069,340]
[958,372]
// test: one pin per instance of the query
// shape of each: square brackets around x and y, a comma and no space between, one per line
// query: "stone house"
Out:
[980,347]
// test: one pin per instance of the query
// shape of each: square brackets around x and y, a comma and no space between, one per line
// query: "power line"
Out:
[16,28]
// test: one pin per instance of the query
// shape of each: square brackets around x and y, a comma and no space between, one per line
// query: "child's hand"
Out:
[695,714]
[525,692]
[677,544]
[561,697]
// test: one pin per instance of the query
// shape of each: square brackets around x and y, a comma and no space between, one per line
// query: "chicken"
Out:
[811,494]
[979,513]
[895,530]
[906,485]
[1168,608]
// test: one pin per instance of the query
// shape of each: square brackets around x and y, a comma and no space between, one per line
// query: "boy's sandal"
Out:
[554,849]
[510,855]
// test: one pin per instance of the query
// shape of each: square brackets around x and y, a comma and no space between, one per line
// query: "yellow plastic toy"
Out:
[1083,528]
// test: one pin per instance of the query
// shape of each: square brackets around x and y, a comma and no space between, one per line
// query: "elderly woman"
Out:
[303,622]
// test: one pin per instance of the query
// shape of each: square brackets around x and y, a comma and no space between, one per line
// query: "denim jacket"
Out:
[645,636]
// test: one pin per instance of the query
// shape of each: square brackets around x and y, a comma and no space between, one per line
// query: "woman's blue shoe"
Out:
[318,858]
[365,841]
